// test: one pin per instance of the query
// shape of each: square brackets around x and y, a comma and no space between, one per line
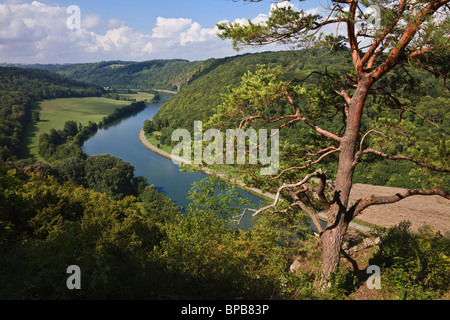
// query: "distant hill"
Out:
[198,100]
[48,67]
[147,75]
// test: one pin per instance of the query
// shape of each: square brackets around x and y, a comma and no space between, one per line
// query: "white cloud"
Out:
[263,17]
[169,27]
[282,4]
[198,34]
[37,33]
[115,23]
[91,21]
[125,41]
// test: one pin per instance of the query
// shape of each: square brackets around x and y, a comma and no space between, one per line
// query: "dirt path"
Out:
[166,91]
[419,210]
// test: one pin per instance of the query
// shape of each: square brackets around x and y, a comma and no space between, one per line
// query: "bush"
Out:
[417,265]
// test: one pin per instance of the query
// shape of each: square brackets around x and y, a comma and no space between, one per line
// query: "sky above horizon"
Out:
[134,30]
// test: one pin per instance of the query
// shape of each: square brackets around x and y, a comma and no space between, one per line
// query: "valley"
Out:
[87,179]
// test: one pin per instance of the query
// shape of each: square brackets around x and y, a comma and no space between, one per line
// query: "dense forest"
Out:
[21,88]
[141,247]
[201,99]
[154,74]
[131,242]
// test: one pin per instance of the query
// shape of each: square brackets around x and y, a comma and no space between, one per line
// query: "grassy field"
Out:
[152,139]
[140,96]
[54,113]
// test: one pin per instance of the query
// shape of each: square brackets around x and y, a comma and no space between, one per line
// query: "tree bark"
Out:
[331,248]
[338,215]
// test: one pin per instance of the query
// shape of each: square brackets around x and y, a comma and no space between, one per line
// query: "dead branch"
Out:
[361,151]
[287,186]
[372,200]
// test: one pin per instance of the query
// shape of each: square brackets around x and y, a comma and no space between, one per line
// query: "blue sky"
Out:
[36,31]
[141,14]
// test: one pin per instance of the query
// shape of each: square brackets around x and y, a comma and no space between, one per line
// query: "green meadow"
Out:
[139,96]
[54,113]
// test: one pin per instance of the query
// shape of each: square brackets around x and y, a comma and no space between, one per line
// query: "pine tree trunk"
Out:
[338,215]
[331,247]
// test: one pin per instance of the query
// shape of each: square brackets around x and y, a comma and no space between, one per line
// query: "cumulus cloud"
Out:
[37,32]
[125,40]
[282,4]
[170,27]
[115,23]
[198,34]
[91,21]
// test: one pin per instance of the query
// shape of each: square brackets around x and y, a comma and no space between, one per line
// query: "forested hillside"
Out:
[201,98]
[147,75]
[198,100]
[130,240]
[19,89]
[142,248]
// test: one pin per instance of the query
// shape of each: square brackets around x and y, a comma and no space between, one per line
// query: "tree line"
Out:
[20,89]
[160,74]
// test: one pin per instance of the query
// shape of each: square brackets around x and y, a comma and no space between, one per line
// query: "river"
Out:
[120,139]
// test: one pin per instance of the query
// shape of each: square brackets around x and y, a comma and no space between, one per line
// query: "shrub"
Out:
[417,265]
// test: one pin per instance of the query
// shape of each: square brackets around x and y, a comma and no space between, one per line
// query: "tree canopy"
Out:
[20,88]
[405,33]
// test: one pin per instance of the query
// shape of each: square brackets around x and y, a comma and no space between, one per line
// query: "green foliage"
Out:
[283,25]
[110,175]
[215,197]
[62,144]
[45,227]
[154,74]
[19,90]
[198,100]
[417,265]
[124,252]
[287,228]
[145,248]
[250,85]
[216,262]
[153,201]
[123,112]
[35,116]
[71,169]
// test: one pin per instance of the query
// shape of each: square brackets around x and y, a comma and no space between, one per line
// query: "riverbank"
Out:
[256,192]
[208,171]
[419,210]
[54,113]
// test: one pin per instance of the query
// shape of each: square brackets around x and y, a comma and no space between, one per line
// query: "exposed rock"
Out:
[36,168]
[367,243]
[294,266]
